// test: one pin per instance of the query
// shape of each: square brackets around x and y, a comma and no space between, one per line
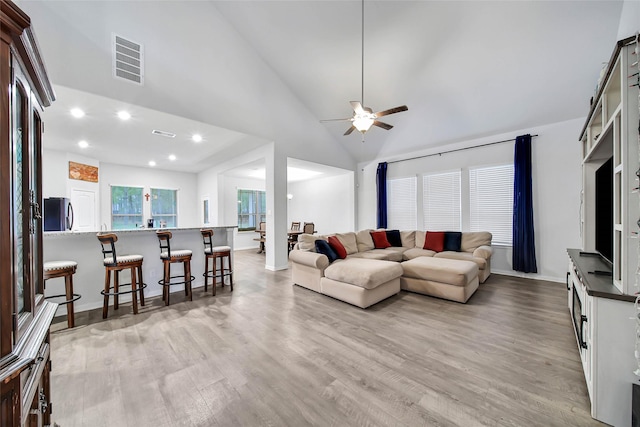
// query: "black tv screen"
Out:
[604,210]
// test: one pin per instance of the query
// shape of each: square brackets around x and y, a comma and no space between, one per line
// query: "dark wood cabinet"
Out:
[25,316]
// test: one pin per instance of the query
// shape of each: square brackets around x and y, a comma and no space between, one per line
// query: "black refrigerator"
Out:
[58,214]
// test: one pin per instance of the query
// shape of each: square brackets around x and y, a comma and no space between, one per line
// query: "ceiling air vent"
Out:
[128,60]
[163,133]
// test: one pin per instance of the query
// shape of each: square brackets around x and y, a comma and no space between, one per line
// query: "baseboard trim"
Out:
[529,276]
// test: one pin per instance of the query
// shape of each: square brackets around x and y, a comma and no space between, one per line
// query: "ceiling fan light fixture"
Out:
[363,122]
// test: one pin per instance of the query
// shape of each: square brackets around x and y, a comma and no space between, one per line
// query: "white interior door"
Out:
[84,210]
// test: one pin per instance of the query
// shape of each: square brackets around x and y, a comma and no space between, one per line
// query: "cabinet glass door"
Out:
[18,202]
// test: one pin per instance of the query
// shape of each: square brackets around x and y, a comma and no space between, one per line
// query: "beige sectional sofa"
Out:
[368,275]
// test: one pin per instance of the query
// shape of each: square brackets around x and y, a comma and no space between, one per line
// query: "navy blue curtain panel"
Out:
[381,184]
[524,244]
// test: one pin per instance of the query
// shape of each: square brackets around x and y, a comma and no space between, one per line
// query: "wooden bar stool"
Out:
[215,253]
[117,263]
[169,257]
[66,269]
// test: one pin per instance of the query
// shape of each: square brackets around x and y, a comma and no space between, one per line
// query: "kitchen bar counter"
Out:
[84,248]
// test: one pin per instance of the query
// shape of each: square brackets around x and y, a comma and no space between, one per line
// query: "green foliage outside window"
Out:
[164,207]
[126,207]
[252,208]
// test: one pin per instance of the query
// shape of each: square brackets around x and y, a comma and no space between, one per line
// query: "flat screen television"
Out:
[604,210]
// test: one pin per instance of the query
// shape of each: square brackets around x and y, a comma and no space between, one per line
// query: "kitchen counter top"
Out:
[134,230]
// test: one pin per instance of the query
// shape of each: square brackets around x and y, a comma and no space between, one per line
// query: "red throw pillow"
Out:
[380,240]
[337,246]
[434,241]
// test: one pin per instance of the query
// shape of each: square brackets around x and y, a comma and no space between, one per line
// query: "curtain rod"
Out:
[453,151]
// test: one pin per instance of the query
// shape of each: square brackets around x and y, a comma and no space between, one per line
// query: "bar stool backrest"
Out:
[107,241]
[207,239]
[164,237]
[295,226]
[309,228]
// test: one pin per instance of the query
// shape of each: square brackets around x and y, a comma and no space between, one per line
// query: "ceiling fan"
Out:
[364,117]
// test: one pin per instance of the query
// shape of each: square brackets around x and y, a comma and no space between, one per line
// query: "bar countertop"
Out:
[133,230]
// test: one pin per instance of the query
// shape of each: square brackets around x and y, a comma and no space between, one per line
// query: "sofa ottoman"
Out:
[361,282]
[455,280]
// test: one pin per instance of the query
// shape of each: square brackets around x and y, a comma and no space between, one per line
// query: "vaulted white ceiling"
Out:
[274,69]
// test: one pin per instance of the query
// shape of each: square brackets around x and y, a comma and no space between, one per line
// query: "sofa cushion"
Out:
[420,237]
[452,272]
[366,273]
[417,252]
[380,239]
[307,242]
[466,256]
[348,240]
[364,240]
[434,241]
[337,247]
[383,254]
[322,247]
[408,238]
[452,241]
[473,239]
[393,237]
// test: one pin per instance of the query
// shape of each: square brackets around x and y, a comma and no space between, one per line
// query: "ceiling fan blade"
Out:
[351,129]
[392,111]
[336,120]
[357,107]
[382,125]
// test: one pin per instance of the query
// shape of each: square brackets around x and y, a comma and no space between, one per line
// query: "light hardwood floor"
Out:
[272,353]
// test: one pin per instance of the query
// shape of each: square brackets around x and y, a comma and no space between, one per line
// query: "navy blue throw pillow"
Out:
[452,240]
[393,236]
[322,247]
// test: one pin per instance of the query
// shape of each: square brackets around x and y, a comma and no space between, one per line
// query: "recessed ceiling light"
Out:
[124,115]
[83,144]
[152,163]
[172,157]
[196,137]
[77,113]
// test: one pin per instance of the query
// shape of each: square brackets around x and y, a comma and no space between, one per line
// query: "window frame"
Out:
[413,201]
[160,216]
[141,215]
[259,216]
[426,201]
[504,238]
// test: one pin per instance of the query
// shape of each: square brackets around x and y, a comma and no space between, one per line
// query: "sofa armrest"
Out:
[311,259]
[483,252]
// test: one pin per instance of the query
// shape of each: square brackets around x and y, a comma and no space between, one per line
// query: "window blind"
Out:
[441,201]
[491,199]
[401,203]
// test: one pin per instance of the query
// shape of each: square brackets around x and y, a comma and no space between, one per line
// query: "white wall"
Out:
[327,202]
[185,183]
[629,19]
[556,161]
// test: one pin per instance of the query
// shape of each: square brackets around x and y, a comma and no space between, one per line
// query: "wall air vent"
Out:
[163,133]
[128,59]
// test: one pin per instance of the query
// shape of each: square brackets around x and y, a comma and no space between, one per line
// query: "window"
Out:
[491,200]
[401,203]
[441,201]
[164,207]
[126,207]
[252,208]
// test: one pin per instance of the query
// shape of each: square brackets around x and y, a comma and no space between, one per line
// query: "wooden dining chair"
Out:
[262,229]
[292,238]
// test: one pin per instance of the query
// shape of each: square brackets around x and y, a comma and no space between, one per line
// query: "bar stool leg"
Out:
[206,272]
[68,284]
[141,283]
[167,280]
[116,289]
[187,279]
[215,278]
[107,285]
[134,291]
[230,272]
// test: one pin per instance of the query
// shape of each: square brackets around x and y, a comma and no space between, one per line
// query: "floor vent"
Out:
[128,60]
[163,133]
